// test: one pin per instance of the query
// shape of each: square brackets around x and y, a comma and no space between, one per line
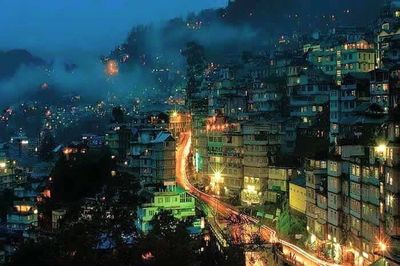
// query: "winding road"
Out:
[302,257]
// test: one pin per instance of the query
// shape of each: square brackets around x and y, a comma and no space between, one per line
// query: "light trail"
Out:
[301,256]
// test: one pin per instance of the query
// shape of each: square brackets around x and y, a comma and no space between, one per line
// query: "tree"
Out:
[289,224]
[43,253]
[169,242]
[81,176]
[47,144]
[118,115]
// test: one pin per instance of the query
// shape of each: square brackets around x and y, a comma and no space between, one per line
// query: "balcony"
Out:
[371,180]
[310,211]
[355,195]
[334,184]
[355,213]
[334,201]
[355,178]
[321,201]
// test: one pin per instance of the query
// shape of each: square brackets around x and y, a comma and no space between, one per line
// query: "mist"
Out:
[52,28]
[79,32]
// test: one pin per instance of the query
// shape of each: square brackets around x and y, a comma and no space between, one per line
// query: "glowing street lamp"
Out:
[217,177]
[382,246]
[381,148]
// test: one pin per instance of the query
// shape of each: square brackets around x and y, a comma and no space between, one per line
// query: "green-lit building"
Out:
[172,198]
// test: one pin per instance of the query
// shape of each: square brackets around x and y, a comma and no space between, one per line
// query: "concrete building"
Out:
[23,216]
[379,88]
[179,122]
[225,155]
[297,194]
[171,198]
[8,176]
[278,183]
[261,142]
[310,96]
[56,218]
[339,60]
[157,160]
[316,204]
[345,99]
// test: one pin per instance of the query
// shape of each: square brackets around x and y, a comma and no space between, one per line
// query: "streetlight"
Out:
[382,246]
[381,148]
[217,177]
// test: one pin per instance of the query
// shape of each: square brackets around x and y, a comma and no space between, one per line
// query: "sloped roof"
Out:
[162,137]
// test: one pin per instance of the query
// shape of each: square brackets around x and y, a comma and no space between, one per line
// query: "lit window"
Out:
[385,87]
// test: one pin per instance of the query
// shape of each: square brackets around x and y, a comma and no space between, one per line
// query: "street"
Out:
[301,256]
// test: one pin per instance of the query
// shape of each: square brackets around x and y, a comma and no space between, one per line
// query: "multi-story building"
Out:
[345,99]
[56,217]
[317,203]
[171,198]
[267,96]
[339,60]
[388,49]
[225,155]
[261,142]
[198,106]
[278,182]
[179,122]
[23,216]
[157,160]
[298,194]
[8,177]
[228,95]
[379,88]
[310,96]
[118,140]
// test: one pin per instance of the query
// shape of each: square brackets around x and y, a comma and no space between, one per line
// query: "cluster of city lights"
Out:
[112,68]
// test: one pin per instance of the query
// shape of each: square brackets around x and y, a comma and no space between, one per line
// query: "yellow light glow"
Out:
[313,238]
[251,188]
[174,114]
[382,246]
[217,177]
[3,165]
[381,148]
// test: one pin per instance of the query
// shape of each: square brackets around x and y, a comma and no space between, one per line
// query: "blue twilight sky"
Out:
[55,27]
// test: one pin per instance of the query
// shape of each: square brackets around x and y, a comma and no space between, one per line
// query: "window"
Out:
[355,170]
[333,166]
[397,131]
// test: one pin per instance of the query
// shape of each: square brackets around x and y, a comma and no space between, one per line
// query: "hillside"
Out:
[242,25]
[10,61]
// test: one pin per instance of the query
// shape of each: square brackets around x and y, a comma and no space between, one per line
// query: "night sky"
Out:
[49,27]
